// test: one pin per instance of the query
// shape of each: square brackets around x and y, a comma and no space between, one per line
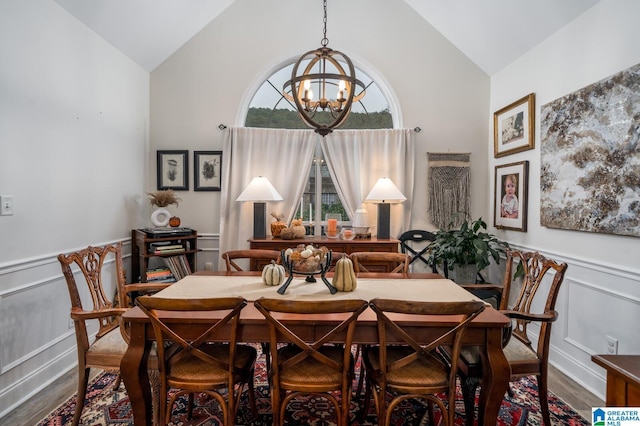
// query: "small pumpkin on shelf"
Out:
[298,228]
[278,225]
[273,274]
[287,233]
[344,276]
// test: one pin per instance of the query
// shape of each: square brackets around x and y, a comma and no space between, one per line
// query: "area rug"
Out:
[111,408]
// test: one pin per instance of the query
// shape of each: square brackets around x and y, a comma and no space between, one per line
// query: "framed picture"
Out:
[207,167]
[173,170]
[513,127]
[512,185]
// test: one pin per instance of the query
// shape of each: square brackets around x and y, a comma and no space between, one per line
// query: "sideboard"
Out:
[623,379]
[333,244]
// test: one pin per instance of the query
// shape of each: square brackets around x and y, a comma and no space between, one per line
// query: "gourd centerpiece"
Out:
[307,260]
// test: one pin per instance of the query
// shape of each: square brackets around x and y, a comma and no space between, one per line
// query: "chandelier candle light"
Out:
[324,71]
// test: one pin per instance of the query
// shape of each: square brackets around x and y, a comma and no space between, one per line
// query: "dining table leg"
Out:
[496,373]
[133,369]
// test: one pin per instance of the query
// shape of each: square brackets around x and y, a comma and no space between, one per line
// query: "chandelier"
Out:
[325,73]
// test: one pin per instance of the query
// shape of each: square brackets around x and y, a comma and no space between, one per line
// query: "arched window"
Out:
[270,109]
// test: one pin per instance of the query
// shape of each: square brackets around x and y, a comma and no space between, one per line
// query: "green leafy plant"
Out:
[468,244]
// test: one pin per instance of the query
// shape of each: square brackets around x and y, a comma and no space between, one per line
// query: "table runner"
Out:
[252,288]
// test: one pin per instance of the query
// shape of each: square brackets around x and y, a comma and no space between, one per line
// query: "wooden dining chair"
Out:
[412,370]
[191,364]
[360,259]
[400,262]
[96,266]
[335,256]
[538,289]
[230,257]
[308,364]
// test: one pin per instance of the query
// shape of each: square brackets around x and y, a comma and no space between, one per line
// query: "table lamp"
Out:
[259,190]
[384,192]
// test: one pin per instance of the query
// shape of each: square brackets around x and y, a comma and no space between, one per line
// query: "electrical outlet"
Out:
[6,205]
[612,345]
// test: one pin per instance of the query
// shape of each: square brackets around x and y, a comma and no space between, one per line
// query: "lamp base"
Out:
[259,220]
[384,214]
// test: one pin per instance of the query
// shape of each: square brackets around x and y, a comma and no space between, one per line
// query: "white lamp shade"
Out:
[384,191]
[260,189]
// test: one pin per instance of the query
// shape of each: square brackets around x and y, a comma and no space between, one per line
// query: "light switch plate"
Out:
[6,205]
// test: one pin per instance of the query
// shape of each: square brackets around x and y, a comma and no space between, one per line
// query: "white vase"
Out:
[360,221]
[160,217]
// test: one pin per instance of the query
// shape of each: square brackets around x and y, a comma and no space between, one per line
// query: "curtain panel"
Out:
[283,156]
[356,159]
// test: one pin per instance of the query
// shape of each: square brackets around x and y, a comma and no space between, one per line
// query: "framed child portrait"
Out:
[510,196]
[513,127]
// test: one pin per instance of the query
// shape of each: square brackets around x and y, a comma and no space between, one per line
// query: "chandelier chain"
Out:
[325,40]
[325,70]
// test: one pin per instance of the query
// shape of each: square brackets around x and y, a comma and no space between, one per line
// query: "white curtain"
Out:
[283,156]
[356,159]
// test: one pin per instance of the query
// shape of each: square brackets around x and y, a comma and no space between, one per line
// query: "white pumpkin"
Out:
[273,274]
[306,253]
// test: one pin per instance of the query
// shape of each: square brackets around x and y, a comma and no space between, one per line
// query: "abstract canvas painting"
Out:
[590,157]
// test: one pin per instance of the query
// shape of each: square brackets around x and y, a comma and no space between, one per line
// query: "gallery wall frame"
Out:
[511,196]
[173,170]
[207,167]
[589,157]
[514,127]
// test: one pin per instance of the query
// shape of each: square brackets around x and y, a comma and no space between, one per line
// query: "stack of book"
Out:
[160,275]
[165,248]
[178,265]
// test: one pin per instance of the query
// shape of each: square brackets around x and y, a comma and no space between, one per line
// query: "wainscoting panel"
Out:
[37,338]
[596,300]
[37,341]
[209,256]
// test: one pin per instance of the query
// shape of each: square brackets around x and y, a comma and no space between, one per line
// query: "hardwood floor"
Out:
[48,400]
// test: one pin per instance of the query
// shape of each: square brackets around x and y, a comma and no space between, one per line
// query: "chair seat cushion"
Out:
[311,372]
[110,343]
[514,351]
[189,368]
[418,373]
[518,351]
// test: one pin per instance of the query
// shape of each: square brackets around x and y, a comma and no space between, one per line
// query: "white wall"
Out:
[74,120]
[601,291]
[78,151]
[211,79]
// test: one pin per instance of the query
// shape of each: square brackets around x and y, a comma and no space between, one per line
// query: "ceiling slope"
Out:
[492,33]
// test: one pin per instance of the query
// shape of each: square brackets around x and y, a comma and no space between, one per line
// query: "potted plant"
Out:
[466,250]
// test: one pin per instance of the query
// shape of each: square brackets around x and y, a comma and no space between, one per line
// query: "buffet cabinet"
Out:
[333,244]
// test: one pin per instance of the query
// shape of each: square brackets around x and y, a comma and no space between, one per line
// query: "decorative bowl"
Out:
[347,234]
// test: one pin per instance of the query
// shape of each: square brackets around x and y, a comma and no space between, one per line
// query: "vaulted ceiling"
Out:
[492,33]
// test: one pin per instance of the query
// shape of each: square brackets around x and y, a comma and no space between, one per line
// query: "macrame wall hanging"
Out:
[449,188]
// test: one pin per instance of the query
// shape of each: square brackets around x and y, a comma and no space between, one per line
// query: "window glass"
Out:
[270,109]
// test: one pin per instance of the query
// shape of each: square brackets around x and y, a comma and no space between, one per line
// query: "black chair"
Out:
[408,244]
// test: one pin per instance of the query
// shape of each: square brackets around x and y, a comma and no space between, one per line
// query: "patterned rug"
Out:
[108,408]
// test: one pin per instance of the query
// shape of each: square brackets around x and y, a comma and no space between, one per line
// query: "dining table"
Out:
[485,331]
